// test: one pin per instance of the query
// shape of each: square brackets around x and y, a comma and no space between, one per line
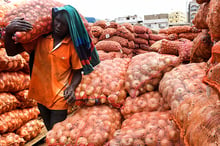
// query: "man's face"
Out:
[60,26]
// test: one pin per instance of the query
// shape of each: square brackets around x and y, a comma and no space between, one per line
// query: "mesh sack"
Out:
[201,49]
[104,85]
[123,42]
[96,31]
[147,128]
[212,77]
[107,33]
[142,35]
[11,63]
[151,101]
[141,41]
[30,130]
[146,70]
[14,119]
[157,37]
[212,20]
[200,18]
[140,29]
[184,50]
[13,81]
[25,101]
[101,23]
[125,33]
[38,13]
[169,47]
[182,82]
[129,26]
[11,138]
[108,46]
[190,35]
[198,118]
[8,102]
[87,126]
[179,29]
[112,25]
[109,55]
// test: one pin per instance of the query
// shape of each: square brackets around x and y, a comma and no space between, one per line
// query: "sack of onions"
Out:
[147,128]
[105,84]
[146,70]
[151,101]
[14,119]
[37,12]
[200,126]
[11,63]
[88,126]
[8,102]
[30,129]
[11,139]
[181,82]
[25,101]
[13,81]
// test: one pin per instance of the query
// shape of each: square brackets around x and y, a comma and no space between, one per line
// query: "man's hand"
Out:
[18,24]
[69,95]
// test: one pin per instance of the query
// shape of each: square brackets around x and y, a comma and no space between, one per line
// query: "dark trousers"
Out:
[51,117]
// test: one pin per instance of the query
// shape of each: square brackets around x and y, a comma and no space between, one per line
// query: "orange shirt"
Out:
[52,71]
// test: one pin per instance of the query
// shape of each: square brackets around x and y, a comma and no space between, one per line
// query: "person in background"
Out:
[59,59]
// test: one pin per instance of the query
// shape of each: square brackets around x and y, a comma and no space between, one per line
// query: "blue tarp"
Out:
[90,19]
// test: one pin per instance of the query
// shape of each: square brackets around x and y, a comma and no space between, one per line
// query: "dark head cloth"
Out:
[83,44]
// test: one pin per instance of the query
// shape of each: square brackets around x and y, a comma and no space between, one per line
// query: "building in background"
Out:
[156,21]
[129,19]
[177,17]
[193,7]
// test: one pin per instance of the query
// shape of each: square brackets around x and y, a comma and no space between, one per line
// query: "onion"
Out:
[134,93]
[138,142]
[69,126]
[162,123]
[135,83]
[114,142]
[149,87]
[63,139]
[174,104]
[173,135]
[113,98]
[52,141]
[96,139]
[161,134]
[82,141]
[117,133]
[84,87]
[153,103]
[87,131]
[139,133]
[103,98]
[165,142]
[122,94]
[89,90]
[150,140]
[127,140]
[142,103]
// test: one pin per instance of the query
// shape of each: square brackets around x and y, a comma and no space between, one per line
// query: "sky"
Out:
[111,9]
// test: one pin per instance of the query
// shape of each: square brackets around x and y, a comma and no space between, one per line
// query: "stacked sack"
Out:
[18,113]
[176,32]
[113,40]
[141,40]
[207,18]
